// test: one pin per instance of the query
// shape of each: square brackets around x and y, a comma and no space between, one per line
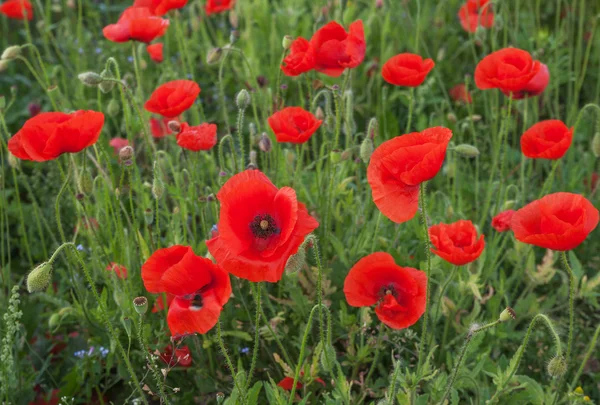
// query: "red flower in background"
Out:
[136,24]
[156,52]
[399,292]
[48,135]
[260,227]
[17,9]
[118,269]
[45,399]
[476,13]
[456,243]
[118,144]
[301,58]
[398,166]
[406,69]
[200,288]
[181,358]
[335,49]
[160,7]
[160,127]
[173,98]
[460,93]
[288,382]
[294,125]
[218,6]
[513,71]
[159,304]
[501,222]
[548,139]
[200,137]
[559,221]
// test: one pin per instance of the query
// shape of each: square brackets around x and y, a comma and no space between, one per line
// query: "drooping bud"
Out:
[141,305]
[373,128]
[287,42]
[596,145]
[327,357]
[158,186]
[127,324]
[214,56]
[366,149]
[3,65]
[296,261]
[90,79]
[107,85]
[451,117]
[85,183]
[253,164]
[126,153]
[265,143]
[174,126]
[54,321]
[243,99]
[329,123]
[466,150]
[320,114]
[557,367]
[507,315]
[39,278]
[508,205]
[11,52]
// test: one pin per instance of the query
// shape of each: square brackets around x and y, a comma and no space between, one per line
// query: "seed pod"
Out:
[90,79]
[11,52]
[507,315]
[39,278]
[287,42]
[141,305]
[366,149]
[466,150]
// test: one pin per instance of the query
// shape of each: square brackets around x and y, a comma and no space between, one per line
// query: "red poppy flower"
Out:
[181,358]
[548,139]
[406,69]
[160,126]
[301,58]
[535,86]
[118,144]
[156,52]
[293,124]
[199,286]
[476,13]
[119,269]
[559,221]
[460,93]
[399,292]
[218,6]
[456,243]
[501,222]
[509,69]
[160,7]
[173,98]
[136,24]
[48,135]
[288,382]
[399,165]
[200,137]
[260,227]
[335,49]
[44,399]
[17,9]
[592,182]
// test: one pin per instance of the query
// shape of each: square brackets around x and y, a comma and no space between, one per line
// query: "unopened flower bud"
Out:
[214,56]
[329,123]
[347,154]
[366,149]
[158,188]
[265,143]
[327,357]
[85,183]
[320,114]
[148,216]
[11,52]
[507,315]
[287,42]
[578,391]
[596,145]
[106,85]
[113,108]
[220,398]
[3,65]
[90,79]
[557,367]
[475,117]
[174,126]
[39,278]
[335,157]
[126,153]
[141,305]
[451,117]
[54,321]
[296,261]
[467,150]
[508,205]
[373,128]
[243,99]
[13,162]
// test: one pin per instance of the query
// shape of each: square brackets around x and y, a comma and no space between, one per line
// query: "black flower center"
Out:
[196,302]
[263,226]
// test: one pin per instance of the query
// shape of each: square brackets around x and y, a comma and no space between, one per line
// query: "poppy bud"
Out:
[127,325]
[449,211]
[596,145]
[347,154]
[158,188]
[13,162]
[233,36]
[3,65]
[287,42]
[174,126]
[327,357]
[39,278]
[141,305]
[54,321]
[113,108]
[252,158]
[366,149]
[335,157]
[252,130]
[507,315]
[265,143]
[508,205]
[475,117]
[106,85]
[11,52]
[148,216]
[320,114]
[296,262]
[243,99]
[330,123]
[467,150]
[2,102]
[557,367]
[373,128]
[126,153]
[451,117]
[85,183]
[90,79]
[214,56]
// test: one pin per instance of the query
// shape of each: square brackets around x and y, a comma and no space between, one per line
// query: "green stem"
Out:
[151,362]
[410,109]
[548,183]
[423,215]
[228,361]
[587,356]
[257,295]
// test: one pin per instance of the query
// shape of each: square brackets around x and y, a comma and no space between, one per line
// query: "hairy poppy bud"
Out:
[330,123]
[214,56]
[90,79]
[451,117]
[158,188]
[11,52]
[596,145]
[287,42]
[3,65]
[366,149]
[335,157]
[507,315]
[85,183]
[557,367]
[127,325]
[174,126]
[253,158]
[296,262]
[243,99]
[508,205]
[106,85]
[467,150]
[320,114]
[126,153]
[39,278]
[327,357]
[475,117]
[265,143]
[141,305]
[13,162]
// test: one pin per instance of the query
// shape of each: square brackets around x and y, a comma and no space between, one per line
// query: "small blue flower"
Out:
[245,350]
[130,59]
[80,248]
[98,50]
